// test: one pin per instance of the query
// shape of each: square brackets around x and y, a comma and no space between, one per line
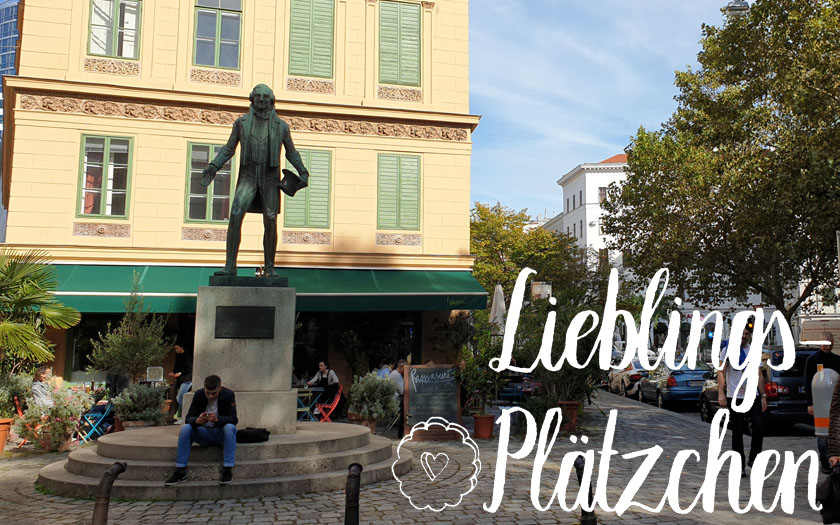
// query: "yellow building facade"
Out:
[117,104]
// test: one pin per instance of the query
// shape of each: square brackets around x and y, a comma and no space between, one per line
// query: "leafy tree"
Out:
[138,342]
[503,245]
[27,308]
[739,190]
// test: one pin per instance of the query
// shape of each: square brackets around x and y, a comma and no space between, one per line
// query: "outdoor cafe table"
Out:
[306,399]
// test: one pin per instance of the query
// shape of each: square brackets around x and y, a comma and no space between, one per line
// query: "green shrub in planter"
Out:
[51,428]
[141,403]
[373,398]
[11,386]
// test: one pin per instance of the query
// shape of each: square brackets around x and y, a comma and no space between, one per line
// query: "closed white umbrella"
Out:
[498,310]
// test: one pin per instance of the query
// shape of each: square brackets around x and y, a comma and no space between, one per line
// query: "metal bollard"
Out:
[103,493]
[586,517]
[351,505]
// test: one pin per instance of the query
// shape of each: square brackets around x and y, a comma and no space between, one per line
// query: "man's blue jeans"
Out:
[204,436]
[183,389]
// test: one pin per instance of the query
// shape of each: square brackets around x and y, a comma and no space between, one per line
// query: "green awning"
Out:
[104,288]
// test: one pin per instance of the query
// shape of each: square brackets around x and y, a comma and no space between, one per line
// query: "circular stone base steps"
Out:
[315,459]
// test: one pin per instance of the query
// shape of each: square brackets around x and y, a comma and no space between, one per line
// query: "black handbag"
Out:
[828,494]
[252,435]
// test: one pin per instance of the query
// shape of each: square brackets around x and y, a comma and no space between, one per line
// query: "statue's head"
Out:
[262,97]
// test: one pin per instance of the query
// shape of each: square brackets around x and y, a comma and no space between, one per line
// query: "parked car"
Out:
[785,389]
[625,381]
[668,386]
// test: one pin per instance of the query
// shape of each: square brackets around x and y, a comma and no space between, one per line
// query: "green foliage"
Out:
[567,383]
[10,386]
[740,190]
[503,246]
[479,380]
[137,343]
[28,308]
[373,398]
[141,403]
[51,427]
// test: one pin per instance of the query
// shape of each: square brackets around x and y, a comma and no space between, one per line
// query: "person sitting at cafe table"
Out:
[325,378]
[211,420]
[41,392]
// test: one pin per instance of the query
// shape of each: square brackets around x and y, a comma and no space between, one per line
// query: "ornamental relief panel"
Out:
[292,237]
[398,239]
[112,66]
[309,85]
[216,76]
[93,229]
[203,234]
[174,113]
[401,94]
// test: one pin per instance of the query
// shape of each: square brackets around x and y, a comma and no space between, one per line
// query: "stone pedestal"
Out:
[235,339]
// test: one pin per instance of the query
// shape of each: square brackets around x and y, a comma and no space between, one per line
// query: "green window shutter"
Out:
[388,192]
[322,38]
[318,192]
[296,207]
[410,44]
[409,217]
[310,207]
[389,42]
[311,38]
[300,37]
[399,43]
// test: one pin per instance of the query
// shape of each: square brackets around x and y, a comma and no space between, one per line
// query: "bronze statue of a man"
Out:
[261,133]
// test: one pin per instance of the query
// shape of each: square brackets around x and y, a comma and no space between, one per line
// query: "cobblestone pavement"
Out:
[639,427]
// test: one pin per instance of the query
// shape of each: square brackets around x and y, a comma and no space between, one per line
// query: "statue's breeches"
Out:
[255,189]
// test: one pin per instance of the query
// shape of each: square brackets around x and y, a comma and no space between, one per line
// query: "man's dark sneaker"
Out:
[227,476]
[179,476]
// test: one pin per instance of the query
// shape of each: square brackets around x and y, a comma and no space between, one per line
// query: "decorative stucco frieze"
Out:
[110,66]
[428,5]
[398,93]
[203,234]
[398,239]
[216,76]
[94,229]
[176,113]
[310,85]
[292,237]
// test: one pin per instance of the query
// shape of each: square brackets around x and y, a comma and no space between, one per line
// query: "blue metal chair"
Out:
[94,420]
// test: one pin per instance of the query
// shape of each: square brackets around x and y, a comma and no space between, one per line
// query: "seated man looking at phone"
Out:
[211,420]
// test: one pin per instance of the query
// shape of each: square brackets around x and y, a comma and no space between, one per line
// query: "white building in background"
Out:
[584,188]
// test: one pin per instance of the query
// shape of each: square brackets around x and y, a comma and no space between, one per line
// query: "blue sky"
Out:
[564,82]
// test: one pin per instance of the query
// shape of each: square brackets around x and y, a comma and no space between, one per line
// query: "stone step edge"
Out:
[120,451]
[90,457]
[54,477]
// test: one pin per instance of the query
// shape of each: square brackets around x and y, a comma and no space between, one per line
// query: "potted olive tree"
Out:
[481,383]
[372,398]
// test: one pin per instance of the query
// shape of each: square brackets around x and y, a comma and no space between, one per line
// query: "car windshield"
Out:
[798,368]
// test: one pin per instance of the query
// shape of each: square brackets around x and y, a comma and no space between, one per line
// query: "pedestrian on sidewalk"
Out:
[828,359]
[399,382]
[728,379]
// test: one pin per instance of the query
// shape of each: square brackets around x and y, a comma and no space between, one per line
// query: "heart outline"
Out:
[427,468]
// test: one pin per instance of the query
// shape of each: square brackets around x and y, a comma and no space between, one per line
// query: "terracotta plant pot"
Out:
[569,409]
[131,425]
[370,423]
[483,427]
[5,428]
[355,418]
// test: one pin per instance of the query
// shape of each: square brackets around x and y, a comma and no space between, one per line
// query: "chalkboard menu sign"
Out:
[431,390]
